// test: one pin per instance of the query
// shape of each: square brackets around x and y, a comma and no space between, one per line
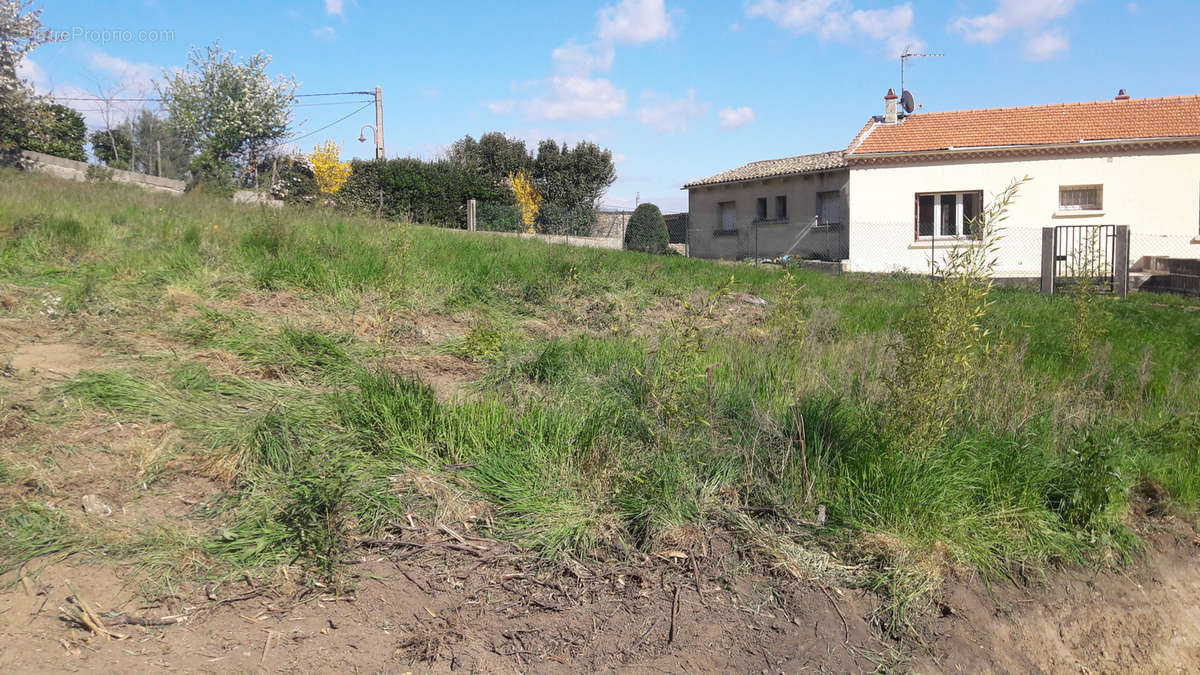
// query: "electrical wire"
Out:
[337,93]
[342,119]
[366,104]
[159,100]
[313,105]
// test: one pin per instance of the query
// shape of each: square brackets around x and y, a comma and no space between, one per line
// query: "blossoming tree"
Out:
[330,172]
[528,198]
[230,110]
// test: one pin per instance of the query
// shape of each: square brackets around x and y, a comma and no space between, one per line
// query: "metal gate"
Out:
[1089,254]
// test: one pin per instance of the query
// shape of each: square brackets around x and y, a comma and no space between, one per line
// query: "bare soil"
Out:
[431,602]
[433,598]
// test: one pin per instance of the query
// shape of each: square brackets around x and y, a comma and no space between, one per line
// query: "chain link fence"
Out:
[590,227]
[551,219]
[1165,263]
[895,247]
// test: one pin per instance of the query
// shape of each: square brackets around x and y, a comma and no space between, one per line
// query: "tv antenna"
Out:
[904,57]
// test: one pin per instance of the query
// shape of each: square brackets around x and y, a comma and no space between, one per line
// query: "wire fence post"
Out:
[1121,261]
[1047,261]
[470,215]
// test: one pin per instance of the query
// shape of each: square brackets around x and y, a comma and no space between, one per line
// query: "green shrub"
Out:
[433,193]
[58,131]
[647,230]
[497,217]
[291,178]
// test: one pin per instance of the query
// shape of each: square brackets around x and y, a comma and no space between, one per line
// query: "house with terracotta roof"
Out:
[917,180]
[912,183]
[790,206]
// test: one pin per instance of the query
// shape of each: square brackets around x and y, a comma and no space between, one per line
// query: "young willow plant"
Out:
[330,172]
[678,384]
[942,340]
[786,317]
[528,197]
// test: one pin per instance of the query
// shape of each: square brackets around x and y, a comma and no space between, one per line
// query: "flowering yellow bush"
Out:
[527,197]
[331,174]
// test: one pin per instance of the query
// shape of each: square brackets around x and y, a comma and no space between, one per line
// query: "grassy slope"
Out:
[638,423]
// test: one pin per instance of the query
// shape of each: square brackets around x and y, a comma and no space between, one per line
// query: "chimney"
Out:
[889,110]
[1122,96]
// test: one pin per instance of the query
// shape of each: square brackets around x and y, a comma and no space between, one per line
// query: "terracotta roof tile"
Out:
[1173,117]
[769,168]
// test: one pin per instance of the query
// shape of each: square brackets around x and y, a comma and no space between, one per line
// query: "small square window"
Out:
[761,212]
[1080,198]
[781,207]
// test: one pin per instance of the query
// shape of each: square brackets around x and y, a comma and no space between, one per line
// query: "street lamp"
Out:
[362,138]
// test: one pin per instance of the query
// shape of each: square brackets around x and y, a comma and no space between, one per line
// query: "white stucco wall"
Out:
[1155,193]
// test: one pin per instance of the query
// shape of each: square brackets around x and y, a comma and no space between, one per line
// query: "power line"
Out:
[104,100]
[341,119]
[159,100]
[313,105]
[337,93]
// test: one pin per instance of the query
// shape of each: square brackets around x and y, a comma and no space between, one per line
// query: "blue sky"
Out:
[677,90]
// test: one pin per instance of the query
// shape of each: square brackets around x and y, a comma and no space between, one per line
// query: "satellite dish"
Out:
[907,102]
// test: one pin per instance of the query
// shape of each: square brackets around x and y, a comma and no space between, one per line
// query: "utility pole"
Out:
[379,123]
[158,154]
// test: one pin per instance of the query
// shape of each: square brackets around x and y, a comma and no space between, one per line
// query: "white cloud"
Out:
[573,58]
[572,97]
[837,20]
[667,115]
[501,107]
[132,78]
[619,158]
[826,18]
[333,7]
[1046,45]
[735,118]
[325,33]
[634,22]
[892,26]
[113,77]
[1011,15]
[27,69]
[1029,17]
[573,92]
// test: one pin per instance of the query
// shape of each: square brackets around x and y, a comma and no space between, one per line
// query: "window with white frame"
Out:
[947,214]
[1080,197]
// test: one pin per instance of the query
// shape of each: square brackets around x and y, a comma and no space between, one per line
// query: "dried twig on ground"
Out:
[81,614]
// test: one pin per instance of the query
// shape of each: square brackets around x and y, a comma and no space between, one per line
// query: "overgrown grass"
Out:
[660,409]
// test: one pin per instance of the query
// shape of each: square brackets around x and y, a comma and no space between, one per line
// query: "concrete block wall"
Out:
[73,170]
